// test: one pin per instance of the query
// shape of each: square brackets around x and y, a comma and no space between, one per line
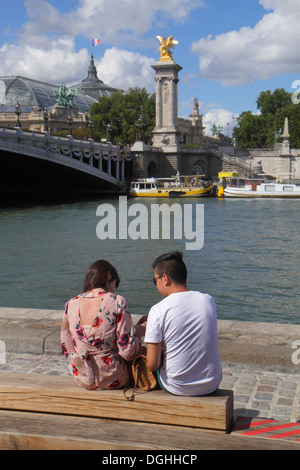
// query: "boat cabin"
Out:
[143,184]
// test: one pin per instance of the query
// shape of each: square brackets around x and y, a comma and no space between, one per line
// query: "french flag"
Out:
[96,42]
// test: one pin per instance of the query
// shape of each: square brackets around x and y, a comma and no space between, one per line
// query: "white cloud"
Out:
[109,19]
[61,63]
[222,118]
[55,63]
[46,42]
[270,48]
[125,69]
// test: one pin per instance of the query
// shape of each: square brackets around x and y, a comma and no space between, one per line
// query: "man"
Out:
[182,327]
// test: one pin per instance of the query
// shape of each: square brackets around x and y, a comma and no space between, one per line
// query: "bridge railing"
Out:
[105,159]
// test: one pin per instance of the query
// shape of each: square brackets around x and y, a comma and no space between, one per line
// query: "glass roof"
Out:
[29,93]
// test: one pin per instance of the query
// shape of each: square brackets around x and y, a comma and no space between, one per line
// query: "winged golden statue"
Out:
[165,47]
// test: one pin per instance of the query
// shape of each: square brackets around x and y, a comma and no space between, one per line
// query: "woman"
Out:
[97,333]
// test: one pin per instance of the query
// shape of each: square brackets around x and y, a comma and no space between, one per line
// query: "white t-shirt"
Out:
[186,324]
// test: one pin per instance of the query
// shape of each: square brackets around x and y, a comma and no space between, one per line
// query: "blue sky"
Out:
[230,50]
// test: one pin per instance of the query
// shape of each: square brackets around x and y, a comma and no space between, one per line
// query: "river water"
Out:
[249,263]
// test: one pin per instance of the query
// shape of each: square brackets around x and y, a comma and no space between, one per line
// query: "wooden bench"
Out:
[51,412]
[43,397]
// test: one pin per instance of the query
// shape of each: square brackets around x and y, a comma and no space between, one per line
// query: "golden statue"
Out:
[165,46]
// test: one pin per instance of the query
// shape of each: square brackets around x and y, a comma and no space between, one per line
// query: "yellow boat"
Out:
[179,186]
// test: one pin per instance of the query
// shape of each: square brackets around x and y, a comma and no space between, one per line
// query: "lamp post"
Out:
[89,125]
[46,119]
[139,124]
[91,129]
[109,131]
[70,120]
[18,112]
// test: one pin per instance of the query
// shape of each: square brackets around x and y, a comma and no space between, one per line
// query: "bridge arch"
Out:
[100,165]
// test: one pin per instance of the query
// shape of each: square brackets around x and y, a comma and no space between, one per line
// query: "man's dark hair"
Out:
[173,265]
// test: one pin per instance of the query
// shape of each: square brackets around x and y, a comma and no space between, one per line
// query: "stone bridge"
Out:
[45,163]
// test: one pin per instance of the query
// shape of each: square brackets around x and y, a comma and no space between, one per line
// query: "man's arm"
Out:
[153,355]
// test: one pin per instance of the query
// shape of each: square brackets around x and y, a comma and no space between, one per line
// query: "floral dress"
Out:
[97,356]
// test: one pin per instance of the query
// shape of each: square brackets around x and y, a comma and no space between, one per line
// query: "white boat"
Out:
[179,186]
[260,188]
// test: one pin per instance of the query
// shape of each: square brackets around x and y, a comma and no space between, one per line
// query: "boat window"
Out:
[270,187]
[288,188]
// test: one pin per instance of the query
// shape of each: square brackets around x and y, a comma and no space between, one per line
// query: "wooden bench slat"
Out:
[34,431]
[60,395]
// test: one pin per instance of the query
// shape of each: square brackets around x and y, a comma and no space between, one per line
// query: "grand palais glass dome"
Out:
[29,93]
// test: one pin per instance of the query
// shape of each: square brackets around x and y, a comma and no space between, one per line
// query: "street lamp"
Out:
[89,125]
[140,126]
[70,121]
[18,112]
[109,131]
[91,129]
[46,118]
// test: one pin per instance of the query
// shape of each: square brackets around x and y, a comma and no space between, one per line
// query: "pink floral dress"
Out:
[97,356]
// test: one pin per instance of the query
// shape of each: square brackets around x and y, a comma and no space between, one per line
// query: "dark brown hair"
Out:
[97,275]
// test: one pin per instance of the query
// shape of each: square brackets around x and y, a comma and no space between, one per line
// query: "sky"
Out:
[230,50]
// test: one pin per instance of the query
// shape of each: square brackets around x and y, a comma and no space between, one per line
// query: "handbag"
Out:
[143,377]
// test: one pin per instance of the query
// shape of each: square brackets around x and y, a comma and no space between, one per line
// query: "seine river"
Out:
[249,263]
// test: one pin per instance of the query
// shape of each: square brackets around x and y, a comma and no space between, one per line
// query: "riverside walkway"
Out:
[259,360]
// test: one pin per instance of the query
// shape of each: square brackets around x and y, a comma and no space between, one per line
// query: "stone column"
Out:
[166,132]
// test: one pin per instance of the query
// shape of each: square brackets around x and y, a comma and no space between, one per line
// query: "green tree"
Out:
[258,130]
[121,117]
[270,103]
[253,131]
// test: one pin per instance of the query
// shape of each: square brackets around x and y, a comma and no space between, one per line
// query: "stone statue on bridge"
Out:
[65,96]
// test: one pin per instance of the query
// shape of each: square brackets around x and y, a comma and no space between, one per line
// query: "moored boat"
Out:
[179,186]
[259,188]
